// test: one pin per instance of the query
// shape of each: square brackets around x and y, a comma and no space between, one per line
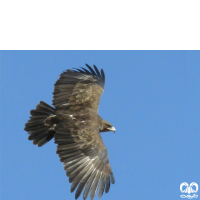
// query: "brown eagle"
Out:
[75,125]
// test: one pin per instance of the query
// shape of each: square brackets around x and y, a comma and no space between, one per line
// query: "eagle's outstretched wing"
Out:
[85,158]
[79,89]
[80,147]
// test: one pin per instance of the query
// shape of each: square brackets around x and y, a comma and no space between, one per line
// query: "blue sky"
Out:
[151,97]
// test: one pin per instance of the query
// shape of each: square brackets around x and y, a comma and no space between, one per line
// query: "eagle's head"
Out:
[106,126]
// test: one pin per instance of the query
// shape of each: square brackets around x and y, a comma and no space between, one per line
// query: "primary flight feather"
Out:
[75,125]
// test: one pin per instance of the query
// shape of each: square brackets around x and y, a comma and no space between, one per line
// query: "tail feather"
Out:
[39,132]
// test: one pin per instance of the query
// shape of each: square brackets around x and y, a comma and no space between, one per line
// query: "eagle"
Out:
[75,125]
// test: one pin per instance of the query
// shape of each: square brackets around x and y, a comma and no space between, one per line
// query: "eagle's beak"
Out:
[112,129]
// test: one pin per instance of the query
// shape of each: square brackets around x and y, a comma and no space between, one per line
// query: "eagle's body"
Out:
[75,125]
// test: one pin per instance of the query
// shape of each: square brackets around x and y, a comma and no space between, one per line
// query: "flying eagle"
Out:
[75,125]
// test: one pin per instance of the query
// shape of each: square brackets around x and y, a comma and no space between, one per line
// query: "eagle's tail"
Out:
[39,132]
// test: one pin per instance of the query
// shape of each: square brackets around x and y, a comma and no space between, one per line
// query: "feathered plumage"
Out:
[75,125]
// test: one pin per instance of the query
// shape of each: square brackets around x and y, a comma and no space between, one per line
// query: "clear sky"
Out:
[151,97]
